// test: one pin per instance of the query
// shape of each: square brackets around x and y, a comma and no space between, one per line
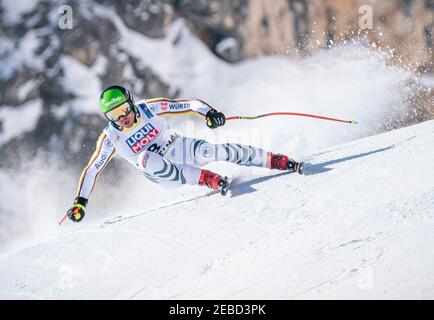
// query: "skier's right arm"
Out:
[104,152]
[165,107]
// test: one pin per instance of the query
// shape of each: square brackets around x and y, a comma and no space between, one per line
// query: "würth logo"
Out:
[179,106]
[164,106]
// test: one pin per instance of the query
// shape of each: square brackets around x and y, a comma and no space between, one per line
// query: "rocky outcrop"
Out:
[93,36]
[300,27]
[233,29]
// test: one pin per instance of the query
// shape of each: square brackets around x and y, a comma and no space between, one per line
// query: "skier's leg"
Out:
[161,170]
[158,169]
[199,152]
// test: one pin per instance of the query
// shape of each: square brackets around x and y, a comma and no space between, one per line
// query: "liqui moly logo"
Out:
[142,138]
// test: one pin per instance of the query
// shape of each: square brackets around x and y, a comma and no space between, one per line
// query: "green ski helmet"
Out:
[113,97]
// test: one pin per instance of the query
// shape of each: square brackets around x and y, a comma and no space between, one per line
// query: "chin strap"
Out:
[135,116]
[116,126]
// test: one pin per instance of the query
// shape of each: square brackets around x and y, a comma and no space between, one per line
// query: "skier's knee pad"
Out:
[149,162]
[205,152]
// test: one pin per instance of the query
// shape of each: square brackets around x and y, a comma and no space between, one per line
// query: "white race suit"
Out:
[163,156]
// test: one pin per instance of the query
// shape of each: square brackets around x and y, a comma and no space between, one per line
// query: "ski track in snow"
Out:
[348,81]
[357,225]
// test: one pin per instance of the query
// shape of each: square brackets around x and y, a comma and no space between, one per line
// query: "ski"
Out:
[299,167]
[225,183]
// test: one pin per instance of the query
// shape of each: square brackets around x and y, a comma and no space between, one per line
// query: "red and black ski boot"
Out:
[214,181]
[282,162]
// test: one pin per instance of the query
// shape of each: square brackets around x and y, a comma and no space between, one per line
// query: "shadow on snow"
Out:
[239,187]
[311,169]
[245,187]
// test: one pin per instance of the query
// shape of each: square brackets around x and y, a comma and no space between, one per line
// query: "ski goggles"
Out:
[120,111]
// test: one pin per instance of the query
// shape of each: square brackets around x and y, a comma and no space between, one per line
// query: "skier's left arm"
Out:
[172,107]
[102,155]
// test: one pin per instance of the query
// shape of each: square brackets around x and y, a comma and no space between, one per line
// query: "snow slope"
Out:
[349,81]
[359,224]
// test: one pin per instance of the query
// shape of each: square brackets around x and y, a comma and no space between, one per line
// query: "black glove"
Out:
[76,212]
[215,119]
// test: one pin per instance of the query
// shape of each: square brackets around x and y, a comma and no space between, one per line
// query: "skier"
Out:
[139,133]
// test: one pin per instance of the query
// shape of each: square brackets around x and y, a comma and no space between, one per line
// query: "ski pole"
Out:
[289,114]
[63,219]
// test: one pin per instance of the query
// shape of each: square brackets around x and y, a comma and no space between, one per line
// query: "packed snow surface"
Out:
[358,224]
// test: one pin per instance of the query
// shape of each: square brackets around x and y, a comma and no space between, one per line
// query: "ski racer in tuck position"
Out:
[139,133]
